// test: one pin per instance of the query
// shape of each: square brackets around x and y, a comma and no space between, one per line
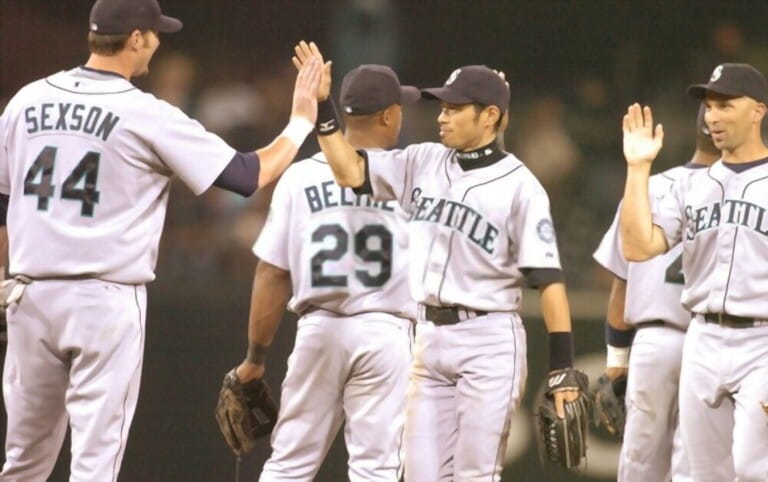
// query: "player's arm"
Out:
[247,172]
[269,296]
[557,318]
[618,334]
[641,239]
[347,165]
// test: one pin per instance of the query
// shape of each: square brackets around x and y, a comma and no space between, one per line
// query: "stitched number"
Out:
[341,240]
[374,234]
[38,179]
[372,244]
[80,185]
[87,171]
[674,272]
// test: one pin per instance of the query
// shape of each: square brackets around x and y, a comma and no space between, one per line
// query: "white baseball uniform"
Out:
[471,234]
[87,160]
[347,257]
[719,216]
[651,448]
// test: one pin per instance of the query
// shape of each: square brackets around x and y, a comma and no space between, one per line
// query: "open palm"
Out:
[642,142]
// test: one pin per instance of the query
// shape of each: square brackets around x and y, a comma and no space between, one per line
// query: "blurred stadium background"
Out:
[573,67]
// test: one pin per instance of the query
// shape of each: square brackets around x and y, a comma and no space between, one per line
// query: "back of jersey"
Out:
[346,253]
[654,287]
[87,160]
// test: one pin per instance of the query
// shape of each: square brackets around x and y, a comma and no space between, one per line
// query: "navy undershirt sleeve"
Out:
[241,176]
[541,277]
[3,209]
[365,187]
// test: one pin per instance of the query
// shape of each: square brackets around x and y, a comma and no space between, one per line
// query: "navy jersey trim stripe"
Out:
[88,93]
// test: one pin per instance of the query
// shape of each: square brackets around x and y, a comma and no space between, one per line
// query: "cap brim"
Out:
[446,95]
[169,24]
[409,94]
[699,91]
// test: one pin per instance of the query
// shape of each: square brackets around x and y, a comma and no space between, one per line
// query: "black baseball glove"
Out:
[245,412]
[610,410]
[563,441]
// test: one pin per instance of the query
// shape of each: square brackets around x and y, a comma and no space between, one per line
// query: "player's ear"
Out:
[494,114]
[759,113]
[135,40]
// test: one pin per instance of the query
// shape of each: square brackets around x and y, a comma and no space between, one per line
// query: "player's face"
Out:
[730,119]
[151,41]
[461,127]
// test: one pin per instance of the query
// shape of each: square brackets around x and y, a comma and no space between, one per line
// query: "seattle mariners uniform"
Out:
[649,302]
[718,215]
[344,257]
[86,161]
[479,220]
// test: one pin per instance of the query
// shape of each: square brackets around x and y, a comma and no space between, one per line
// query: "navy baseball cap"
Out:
[734,80]
[370,88]
[472,84]
[124,16]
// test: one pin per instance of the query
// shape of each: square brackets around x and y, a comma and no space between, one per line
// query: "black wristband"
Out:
[560,350]
[327,118]
[618,338]
[256,353]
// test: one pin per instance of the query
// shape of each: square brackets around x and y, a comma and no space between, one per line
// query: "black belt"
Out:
[450,315]
[733,321]
[660,323]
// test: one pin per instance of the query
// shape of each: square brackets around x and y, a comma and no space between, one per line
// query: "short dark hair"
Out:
[106,44]
[479,108]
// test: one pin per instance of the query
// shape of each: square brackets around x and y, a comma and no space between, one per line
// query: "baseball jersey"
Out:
[719,216]
[471,232]
[346,253]
[654,287]
[87,163]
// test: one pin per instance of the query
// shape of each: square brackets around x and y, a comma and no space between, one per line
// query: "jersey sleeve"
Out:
[5,184]
[391,174]
[273,244]
[609,254]
[668,213]
[531,229]
[194,154]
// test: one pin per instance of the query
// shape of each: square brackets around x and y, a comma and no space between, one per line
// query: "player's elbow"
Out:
[634,253]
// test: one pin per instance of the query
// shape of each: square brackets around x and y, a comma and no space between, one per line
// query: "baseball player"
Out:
[479,226]
[86,160]
[718,215]
[644,312]
[344,257]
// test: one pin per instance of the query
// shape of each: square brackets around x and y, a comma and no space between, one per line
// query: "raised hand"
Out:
[305,51]
[305,89]
[642,142]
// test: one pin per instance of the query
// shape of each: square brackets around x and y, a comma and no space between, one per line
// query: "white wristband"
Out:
[617,357]
[297,130]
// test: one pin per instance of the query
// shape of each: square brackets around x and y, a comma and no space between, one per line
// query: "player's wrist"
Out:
[297,130]
[327,117]
[616,357]
[257,353]
[618,338]
[560,350]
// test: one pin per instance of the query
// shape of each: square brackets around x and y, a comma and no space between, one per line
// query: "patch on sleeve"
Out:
[545,230]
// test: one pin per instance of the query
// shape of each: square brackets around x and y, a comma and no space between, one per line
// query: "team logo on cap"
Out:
[94,26]
[716,73]
[348,109]
[453,77]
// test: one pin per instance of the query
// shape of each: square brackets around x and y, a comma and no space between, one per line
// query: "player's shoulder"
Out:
[314,168]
